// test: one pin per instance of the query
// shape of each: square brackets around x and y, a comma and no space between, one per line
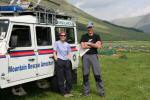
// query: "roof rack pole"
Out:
[39,17]
[52,19]
[46,18]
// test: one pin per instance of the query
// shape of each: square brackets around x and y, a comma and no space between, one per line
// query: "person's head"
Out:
[62,36]
[90,28]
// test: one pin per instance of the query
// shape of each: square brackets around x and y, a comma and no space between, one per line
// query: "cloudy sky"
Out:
[113,9]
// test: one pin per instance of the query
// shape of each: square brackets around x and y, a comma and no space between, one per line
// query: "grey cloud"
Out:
[112,9]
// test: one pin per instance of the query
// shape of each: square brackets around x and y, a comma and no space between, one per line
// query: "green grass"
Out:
[128,46]
[125,79]
[128,78]
[128,43]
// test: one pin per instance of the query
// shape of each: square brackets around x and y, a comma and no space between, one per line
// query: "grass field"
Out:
[125,79]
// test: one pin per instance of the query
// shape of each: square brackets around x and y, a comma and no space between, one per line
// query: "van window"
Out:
[20,36]
[70,34]
[43,35]
[3,28]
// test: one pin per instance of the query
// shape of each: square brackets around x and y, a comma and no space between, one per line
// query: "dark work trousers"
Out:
[64,76]
[88,60]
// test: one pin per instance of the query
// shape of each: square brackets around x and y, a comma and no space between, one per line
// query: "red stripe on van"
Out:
[22,53]
[74,49]
[2,56]
[47,51]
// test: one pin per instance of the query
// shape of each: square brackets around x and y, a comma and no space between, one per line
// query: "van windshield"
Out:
[3,28]
[70,34]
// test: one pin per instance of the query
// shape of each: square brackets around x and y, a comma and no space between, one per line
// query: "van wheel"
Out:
[74,76]
[54,84]
[18,91]
[43,84]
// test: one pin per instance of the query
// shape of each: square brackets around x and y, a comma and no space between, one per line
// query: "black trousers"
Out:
[64,76]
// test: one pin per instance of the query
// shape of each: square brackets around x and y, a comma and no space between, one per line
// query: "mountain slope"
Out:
[139,22]
[107,30]
[127,22]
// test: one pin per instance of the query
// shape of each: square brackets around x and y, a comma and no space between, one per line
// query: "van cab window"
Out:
[70,34]
[20,36]
[43,35]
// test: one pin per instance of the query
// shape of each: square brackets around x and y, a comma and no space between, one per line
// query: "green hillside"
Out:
[107,30]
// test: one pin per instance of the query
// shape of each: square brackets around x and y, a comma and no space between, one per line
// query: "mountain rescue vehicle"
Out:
[26,44]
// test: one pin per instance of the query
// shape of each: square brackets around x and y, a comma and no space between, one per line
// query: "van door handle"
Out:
[31,60]
[51,57]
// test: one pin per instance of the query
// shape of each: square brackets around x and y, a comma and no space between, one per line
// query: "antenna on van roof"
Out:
[36,5]
[54,2]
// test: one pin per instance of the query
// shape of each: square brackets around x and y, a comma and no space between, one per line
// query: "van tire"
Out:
[74,76]
[54,84]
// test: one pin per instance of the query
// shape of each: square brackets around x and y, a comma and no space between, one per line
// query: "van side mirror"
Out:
[13,41]
[2,35]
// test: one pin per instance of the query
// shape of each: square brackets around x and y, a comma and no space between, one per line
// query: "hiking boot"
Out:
[71,95]
[68,95]
[87,95]
[102,94]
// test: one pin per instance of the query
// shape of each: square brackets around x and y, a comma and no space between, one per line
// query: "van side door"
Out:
[22,58]
[45,50]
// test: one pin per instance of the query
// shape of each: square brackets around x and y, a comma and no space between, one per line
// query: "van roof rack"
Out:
[44,16]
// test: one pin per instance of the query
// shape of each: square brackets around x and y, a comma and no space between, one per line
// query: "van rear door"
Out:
[72,40]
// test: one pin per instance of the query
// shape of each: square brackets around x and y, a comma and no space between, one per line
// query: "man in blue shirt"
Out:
[63,67]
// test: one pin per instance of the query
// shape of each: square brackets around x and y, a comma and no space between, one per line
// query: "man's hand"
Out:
[89,44]
[69,56]
[97,45]
[55,56]
[85,45]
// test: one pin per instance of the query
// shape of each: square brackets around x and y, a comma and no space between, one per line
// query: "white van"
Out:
[26,45]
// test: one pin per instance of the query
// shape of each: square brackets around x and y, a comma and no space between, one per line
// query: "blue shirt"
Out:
[63,49]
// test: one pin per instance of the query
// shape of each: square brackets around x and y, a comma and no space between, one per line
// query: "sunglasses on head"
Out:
[63,35]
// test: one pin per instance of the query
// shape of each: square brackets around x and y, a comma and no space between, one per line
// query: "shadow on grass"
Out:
[31,89]
[34,92]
